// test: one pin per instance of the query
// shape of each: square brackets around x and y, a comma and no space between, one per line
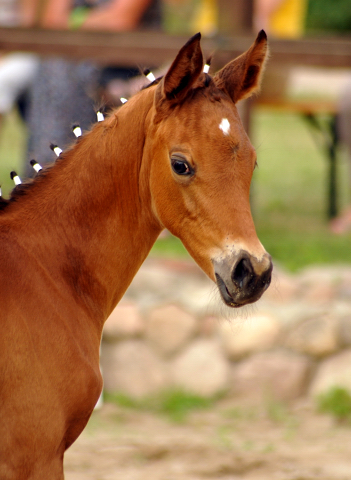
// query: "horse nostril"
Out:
[267,277]
[243,273]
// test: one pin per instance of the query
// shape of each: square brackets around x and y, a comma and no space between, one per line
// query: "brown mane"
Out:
[205,86]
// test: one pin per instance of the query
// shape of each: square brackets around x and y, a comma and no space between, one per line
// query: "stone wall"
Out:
[171,330]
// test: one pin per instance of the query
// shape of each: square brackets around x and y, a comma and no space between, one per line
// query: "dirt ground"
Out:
[229,441]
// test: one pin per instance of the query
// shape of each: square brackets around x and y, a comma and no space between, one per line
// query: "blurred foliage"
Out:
[13,135]
[322,16]
[333,16]
[289,193]
[174,404]
[178,16]
[337,402]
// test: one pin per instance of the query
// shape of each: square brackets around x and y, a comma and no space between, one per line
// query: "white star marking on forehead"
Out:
[225,126]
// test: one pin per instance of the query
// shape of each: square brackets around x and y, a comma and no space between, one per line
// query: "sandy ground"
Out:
[230,441]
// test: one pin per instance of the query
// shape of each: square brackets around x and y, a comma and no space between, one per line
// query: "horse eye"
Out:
[181,167]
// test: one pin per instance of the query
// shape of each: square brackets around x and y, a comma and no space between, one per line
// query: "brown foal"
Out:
[175,156]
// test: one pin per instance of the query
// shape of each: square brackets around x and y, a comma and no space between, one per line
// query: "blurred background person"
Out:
[17,69]
[66,91]
[17,72]
[281,18]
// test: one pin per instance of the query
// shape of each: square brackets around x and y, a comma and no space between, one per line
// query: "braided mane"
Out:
[205,83]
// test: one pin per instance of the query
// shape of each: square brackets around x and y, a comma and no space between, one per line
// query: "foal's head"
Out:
[200,163]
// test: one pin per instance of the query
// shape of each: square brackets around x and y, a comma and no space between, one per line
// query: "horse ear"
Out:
[242,77]
[183,72]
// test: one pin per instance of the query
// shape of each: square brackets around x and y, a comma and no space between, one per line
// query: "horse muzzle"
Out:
[243,279]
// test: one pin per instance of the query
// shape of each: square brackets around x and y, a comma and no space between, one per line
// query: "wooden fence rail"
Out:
[155,48]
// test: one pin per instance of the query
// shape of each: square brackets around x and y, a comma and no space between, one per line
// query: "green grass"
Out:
[289,191]
[12,150]
[336,402]
[174,404]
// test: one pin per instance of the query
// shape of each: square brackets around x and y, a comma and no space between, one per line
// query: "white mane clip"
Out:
[149,75]
[100,116]
[207,65]
[15,178]
[77,130]
[124,100]
[57,150]
[37,167]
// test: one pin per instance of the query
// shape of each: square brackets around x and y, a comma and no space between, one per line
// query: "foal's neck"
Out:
[90,217]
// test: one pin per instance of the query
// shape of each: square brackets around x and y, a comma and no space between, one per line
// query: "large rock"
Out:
[124,322]
[345,330]
[280,375]
[318,337]
[257,333]
[169,328]
[163,281]
[344,287]
[318,284]
[133,368]
[332,372]
[209,326]
[319,293]
[201,368]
